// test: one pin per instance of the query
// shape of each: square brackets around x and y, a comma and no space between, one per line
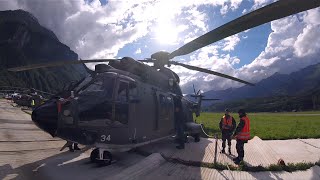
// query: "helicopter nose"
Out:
[46,117]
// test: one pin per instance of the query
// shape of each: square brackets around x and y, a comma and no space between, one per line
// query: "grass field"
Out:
[271,125]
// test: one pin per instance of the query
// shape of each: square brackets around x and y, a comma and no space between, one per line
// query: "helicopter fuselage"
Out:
[117,110]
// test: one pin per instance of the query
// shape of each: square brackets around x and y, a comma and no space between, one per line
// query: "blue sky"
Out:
[118,28]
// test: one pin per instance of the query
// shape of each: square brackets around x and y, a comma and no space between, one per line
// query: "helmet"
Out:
[242,111]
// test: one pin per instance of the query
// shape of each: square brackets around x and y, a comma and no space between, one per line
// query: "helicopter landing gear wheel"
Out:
[196,137]
[104,158]
[94,155]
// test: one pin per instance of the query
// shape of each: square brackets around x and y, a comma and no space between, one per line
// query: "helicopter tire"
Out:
[196,137]
[94,155]
[107,159]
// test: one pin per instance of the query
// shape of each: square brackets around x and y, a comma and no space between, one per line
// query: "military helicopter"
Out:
[126,103]
[31,98]
[27,97]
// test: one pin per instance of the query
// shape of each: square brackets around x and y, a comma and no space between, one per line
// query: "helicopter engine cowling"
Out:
[194,128]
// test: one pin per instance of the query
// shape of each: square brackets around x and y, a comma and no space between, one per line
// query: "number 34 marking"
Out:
[105,138]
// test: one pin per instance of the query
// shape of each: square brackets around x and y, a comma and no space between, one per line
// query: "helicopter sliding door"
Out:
[122,102]
[165,113]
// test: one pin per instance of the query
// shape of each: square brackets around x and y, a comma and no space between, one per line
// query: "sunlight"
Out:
[166,33]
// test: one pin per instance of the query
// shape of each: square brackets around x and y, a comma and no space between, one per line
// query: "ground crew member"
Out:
[242,134]
[178,113]
[227,126]
[179,122]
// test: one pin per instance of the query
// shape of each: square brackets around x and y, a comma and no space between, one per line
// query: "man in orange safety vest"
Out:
[242,134]
[227,126]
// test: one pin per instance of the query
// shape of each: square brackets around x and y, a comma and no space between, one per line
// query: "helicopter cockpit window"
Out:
[83,83]
[99,87]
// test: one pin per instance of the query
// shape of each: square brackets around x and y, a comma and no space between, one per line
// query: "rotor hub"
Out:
[161,59]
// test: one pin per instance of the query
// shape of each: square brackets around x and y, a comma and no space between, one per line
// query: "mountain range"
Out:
[303,84]
[24,41]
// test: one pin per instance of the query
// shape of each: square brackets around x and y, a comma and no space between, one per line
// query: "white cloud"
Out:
[224,10]
[231,42]
[244,11]
[260,3]
[138,51]
[235,4]
[229,4]
[308,42]
[292,45]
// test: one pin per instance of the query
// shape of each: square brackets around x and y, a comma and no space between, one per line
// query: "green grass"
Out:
[271,125]
[290,167]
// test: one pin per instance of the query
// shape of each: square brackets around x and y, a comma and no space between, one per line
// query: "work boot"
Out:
[237,160]
[222,151]
[76,147]
[230,151]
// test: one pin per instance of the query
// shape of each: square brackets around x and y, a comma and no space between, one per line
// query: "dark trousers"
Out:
[180,134]
[179,126]
[240,148]
[226,136]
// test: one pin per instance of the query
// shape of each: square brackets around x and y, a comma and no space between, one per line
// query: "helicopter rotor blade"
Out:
[210,72]
[57,63]
[205,99]
[277,10]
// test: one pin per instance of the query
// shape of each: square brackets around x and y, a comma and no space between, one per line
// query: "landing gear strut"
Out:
[101,157]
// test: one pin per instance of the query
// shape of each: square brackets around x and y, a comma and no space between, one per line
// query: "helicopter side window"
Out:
[164,106]
[95,87]
[133,91]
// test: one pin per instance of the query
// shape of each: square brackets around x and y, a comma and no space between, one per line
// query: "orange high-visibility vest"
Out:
[227,123]
[245,132]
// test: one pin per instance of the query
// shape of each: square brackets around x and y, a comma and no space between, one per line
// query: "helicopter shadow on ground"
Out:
[191,156]
[33,170]
[65,165]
